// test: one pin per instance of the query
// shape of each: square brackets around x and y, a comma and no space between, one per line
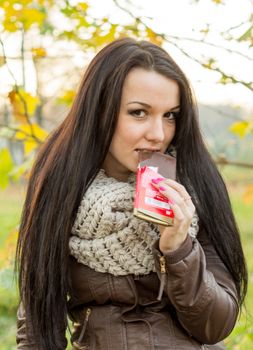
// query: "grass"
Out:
[242,336]
[11,201]
[10,209]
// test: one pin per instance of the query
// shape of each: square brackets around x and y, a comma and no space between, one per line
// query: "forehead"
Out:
[149,86]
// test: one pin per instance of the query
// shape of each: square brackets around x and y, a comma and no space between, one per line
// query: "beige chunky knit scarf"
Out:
[107,237]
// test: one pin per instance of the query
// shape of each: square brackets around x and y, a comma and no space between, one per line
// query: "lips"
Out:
[147,150]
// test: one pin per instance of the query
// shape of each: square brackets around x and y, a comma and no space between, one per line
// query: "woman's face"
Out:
[149,105]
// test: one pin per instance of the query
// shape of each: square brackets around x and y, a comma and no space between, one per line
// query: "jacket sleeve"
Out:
[200,288]
[24,336]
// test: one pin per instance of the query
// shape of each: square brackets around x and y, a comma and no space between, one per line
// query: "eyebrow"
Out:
[148,106]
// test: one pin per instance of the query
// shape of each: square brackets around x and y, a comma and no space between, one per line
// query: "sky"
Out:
[185,18]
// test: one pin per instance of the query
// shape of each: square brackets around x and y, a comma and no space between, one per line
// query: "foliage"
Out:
[10,206]
[25,110]
[242,128]
[23,122]
[6,165]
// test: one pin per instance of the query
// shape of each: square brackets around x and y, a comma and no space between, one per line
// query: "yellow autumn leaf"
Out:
[17,16]
[10,23]
[39,52]
[47,3]
[23,104]
[7,251]
[8,7]
[2,61]
[83,6]
[6,165]
[31,135]
[67,97]
[24,3]
[205,30]
[153,37]
[9,27]
[100,39]
[30,16]
[42,2]
[240,128]
[248,194]
[30,145]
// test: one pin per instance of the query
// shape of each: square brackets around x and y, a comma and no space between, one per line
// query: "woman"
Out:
[82,253]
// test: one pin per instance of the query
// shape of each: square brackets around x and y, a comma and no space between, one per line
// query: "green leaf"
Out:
[209,64]
[21,169]
[6,132]
[247,35]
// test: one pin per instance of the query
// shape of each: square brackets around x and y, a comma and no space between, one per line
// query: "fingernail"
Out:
[161,188]
[155,181]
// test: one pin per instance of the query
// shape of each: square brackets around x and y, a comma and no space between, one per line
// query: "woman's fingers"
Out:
[183,208]
[176,193]
[180,189]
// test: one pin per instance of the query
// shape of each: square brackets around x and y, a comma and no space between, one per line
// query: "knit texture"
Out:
[107,237]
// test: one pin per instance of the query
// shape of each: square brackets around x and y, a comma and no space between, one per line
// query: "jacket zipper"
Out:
[163,277]
[85,322]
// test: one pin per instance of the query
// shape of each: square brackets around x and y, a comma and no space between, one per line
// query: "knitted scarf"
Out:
[107,237]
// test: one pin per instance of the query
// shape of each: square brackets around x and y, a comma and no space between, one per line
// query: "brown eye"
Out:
[139,113]
[171,115]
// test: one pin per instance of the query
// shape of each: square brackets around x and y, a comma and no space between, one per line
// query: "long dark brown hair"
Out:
[70,159]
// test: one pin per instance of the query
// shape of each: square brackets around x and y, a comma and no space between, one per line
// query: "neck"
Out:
[120,176]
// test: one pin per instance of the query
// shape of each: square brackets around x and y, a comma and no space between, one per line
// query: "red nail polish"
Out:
[161,188]
[156,181]
[160,179]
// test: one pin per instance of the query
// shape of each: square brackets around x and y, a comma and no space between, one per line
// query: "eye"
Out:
[171,115]
[139,113]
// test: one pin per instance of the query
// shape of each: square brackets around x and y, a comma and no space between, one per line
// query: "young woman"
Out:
[126,283]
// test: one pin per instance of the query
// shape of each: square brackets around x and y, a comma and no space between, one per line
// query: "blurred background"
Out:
[45,47]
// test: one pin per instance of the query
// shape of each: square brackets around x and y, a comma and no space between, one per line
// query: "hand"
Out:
[173,236]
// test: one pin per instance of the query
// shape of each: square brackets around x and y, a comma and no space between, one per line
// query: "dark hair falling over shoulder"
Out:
[70,159]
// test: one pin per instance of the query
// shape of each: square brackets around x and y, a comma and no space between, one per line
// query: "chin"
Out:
[133,168]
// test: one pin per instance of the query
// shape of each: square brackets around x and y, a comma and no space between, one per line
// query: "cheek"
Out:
[170,133]
[128,135]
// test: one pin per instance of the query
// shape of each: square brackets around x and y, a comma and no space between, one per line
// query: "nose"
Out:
[155,132]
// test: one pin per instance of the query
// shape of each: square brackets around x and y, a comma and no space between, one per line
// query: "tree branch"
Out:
[21,131]
[212,45]
[234,80]
[17,91]
[224,161]
[23,56]
[224,114]
[248,85]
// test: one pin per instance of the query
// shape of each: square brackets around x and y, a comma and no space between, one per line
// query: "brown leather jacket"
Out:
[198,304]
